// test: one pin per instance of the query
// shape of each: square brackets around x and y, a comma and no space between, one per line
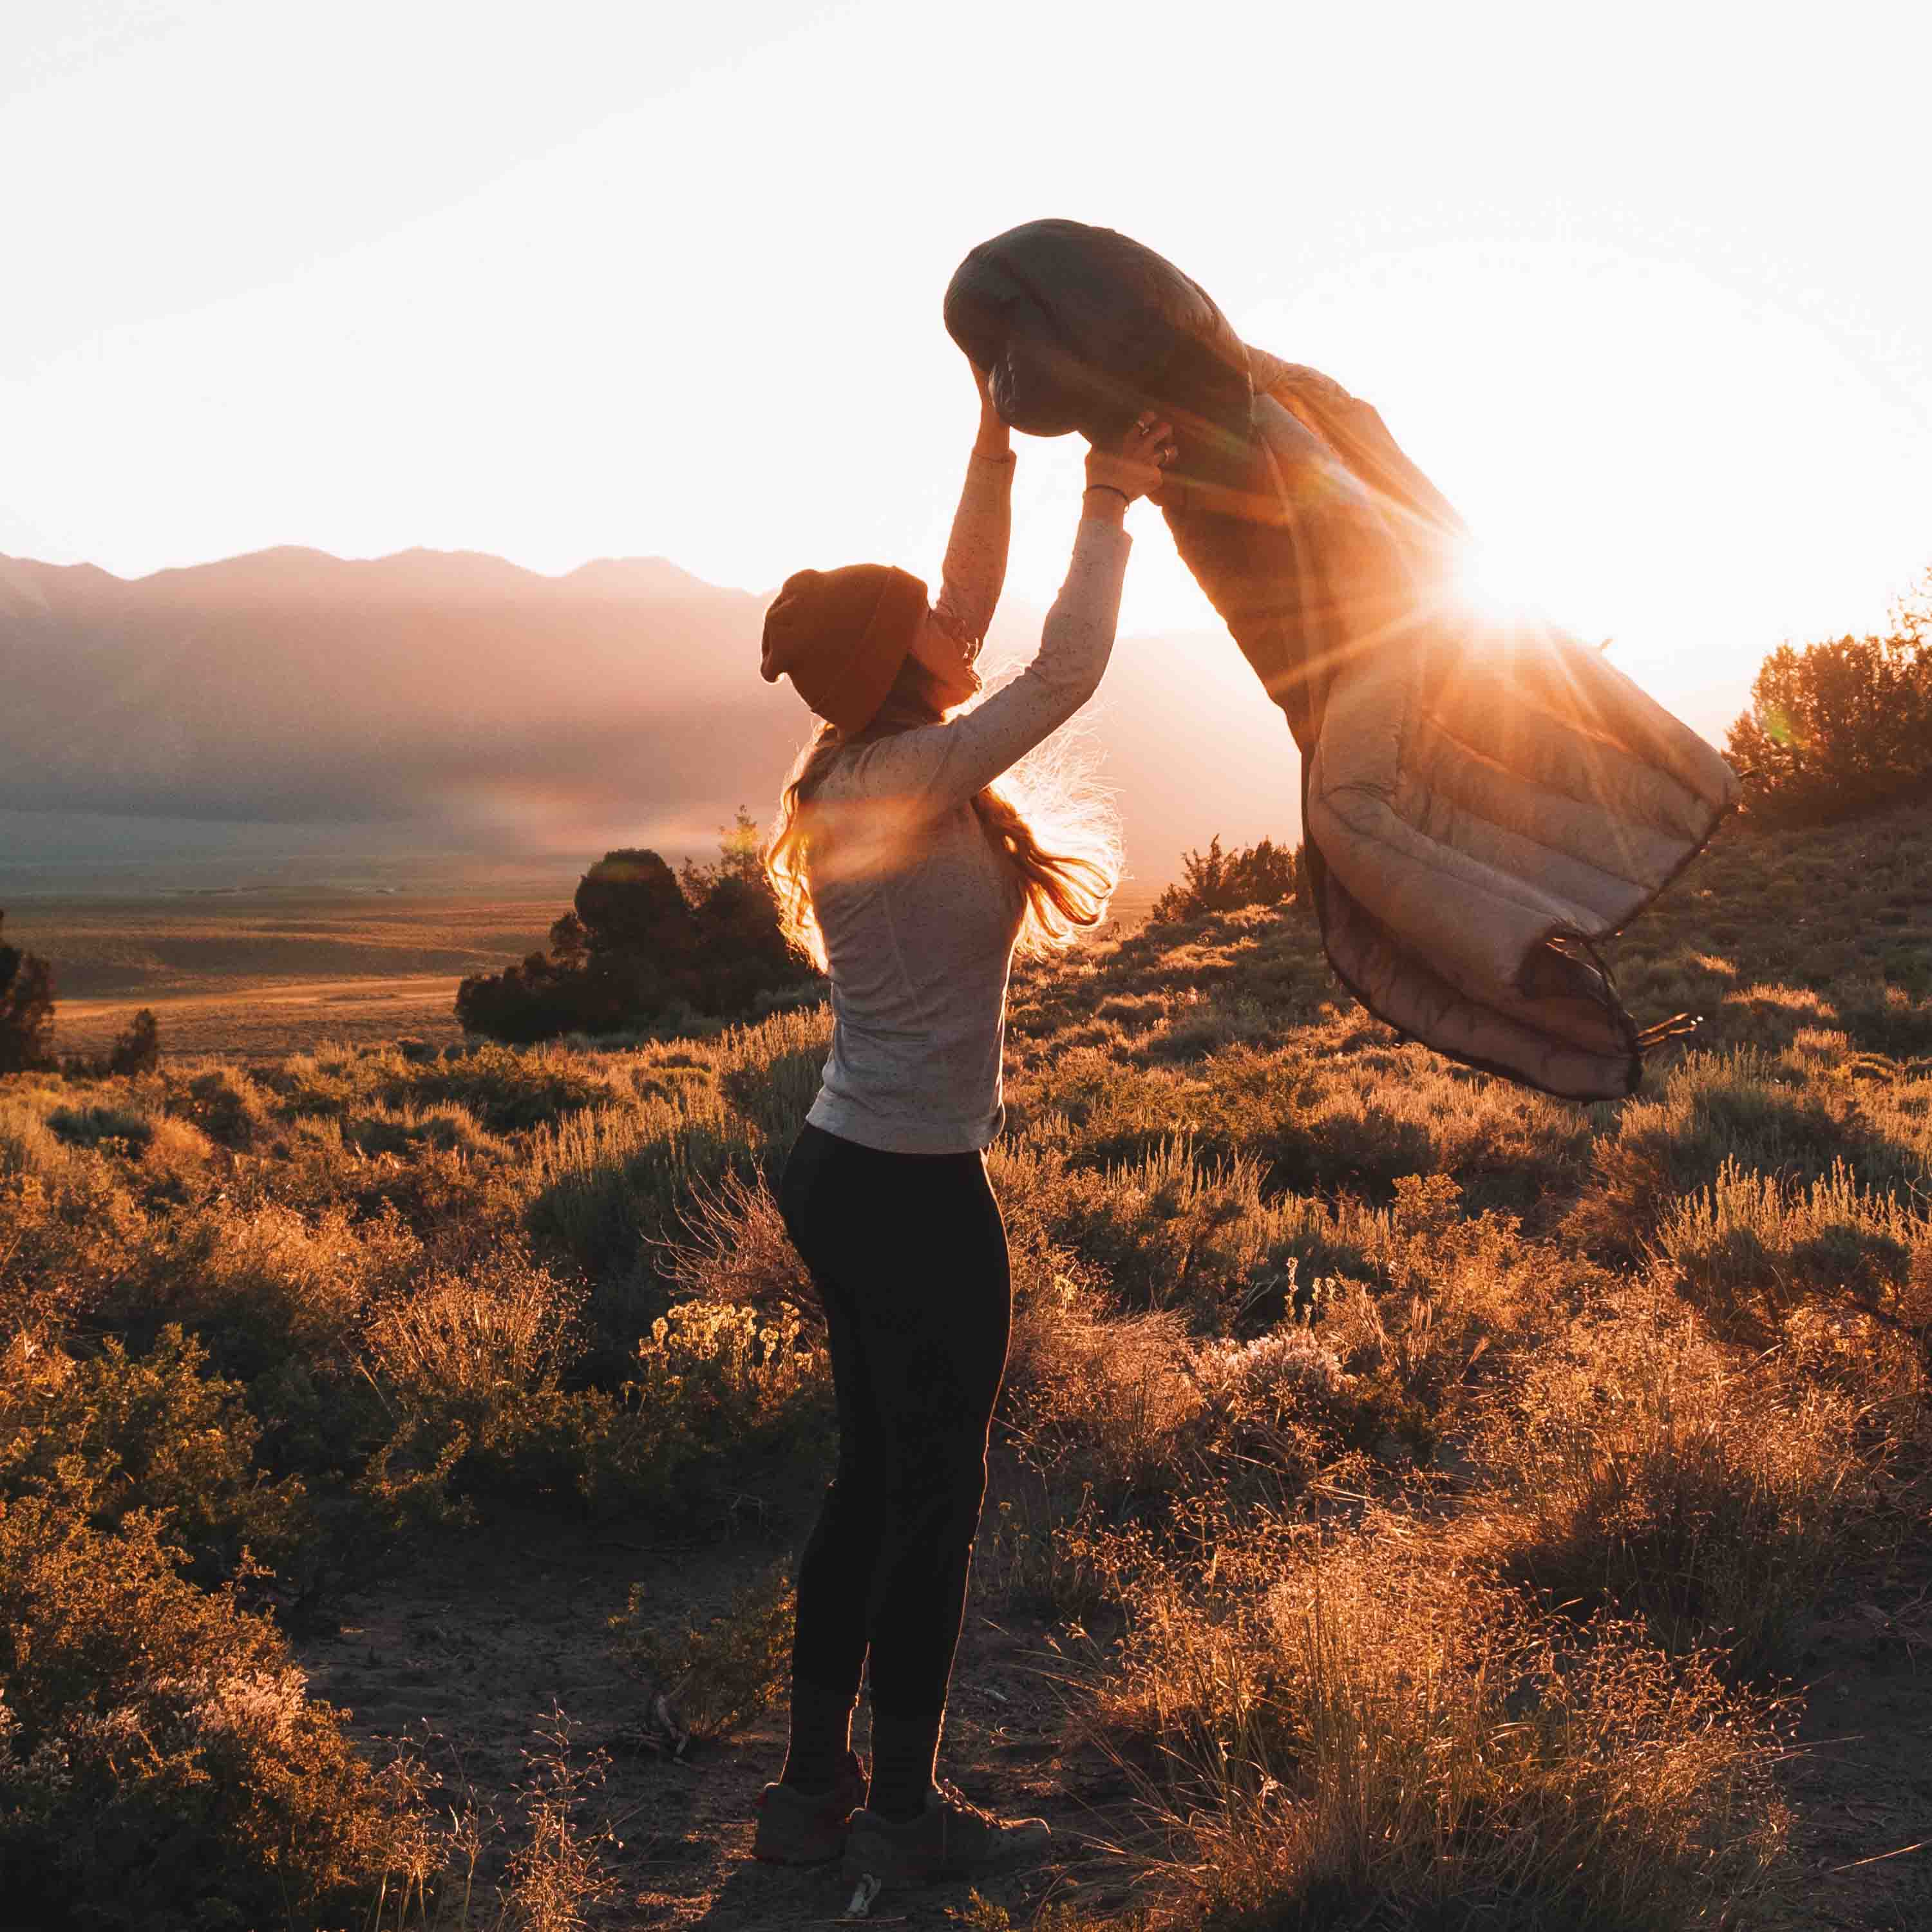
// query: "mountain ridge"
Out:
[500,709]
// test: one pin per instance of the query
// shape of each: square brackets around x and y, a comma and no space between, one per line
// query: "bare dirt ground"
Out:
[462,1651]
[1861,1784]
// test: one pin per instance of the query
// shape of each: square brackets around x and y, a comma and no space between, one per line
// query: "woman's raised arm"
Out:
[944,765]
[975,570]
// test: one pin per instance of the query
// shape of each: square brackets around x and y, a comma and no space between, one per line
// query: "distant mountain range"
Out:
[458,689]
[457,701]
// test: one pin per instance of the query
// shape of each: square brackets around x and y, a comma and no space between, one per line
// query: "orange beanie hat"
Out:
[841,636]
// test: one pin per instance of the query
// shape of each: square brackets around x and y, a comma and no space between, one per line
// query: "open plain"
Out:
[253,975]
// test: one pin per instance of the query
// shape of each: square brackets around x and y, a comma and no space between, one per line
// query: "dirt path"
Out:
[1862,1786]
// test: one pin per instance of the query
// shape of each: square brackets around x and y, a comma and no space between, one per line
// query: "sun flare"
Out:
[1505,584]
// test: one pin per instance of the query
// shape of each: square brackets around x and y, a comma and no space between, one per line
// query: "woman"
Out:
[900,869]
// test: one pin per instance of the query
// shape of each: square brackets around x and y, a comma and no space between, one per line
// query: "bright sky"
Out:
[1645,290]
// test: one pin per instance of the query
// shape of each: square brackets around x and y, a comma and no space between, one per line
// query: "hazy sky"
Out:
[1646,290]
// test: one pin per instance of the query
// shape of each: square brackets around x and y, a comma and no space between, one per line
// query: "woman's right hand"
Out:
[1137,467]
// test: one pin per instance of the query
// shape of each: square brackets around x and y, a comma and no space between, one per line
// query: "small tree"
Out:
[1839,729]
[741,855]
[642,940]
[1216,881]
[138,1050]
[26,1009]
[630,901]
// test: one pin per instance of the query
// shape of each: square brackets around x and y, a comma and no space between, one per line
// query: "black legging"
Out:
[909,1255]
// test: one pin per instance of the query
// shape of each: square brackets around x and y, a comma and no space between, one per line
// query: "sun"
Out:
[1497,582]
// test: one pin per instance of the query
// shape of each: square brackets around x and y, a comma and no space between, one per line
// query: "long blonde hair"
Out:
[1047,817]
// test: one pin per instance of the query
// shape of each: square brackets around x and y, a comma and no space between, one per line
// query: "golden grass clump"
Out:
[1645,1470]
[1108,1403]
[1772,1115]
[1356,1729]
[733,1247]
[462,1338]
[1753,1251]
[261,1284]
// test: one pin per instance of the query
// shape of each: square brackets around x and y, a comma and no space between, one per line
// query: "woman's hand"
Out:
[994,440]
[1137,467]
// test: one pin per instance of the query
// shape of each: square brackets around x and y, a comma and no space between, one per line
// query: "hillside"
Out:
[464,713]
[1415,1501]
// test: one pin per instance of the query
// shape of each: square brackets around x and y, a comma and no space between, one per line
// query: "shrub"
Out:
[1646,1473]
[153,1434]
[161,1765]
[260,1286]
[472,1367]
[1279,1399]
[708,1679]
[714,1382]
[1108,1404]
[89,1126]
[736,1248]
[640,946]
[228,1106]
[1839,729]
[1744,1107]
[1359,1730]
[608,1185]
[508,1092]
[137,1047]
[1212,881]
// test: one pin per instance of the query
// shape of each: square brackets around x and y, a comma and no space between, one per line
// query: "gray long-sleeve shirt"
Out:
[919,910]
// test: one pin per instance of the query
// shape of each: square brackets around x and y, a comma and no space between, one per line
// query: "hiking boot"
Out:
[951,1838]
[808,1827]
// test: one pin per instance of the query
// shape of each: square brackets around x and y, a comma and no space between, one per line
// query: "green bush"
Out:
[117,1434]
[642,944]
[1213,881]
[1838,730]
[161,1765]
[713,1677]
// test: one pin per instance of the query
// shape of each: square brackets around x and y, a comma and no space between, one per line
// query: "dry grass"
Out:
[1755,1253]
[1431,1463]
[1356,1730]
[1646,1470]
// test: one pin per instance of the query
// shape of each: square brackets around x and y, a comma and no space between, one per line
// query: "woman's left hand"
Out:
[995,440]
